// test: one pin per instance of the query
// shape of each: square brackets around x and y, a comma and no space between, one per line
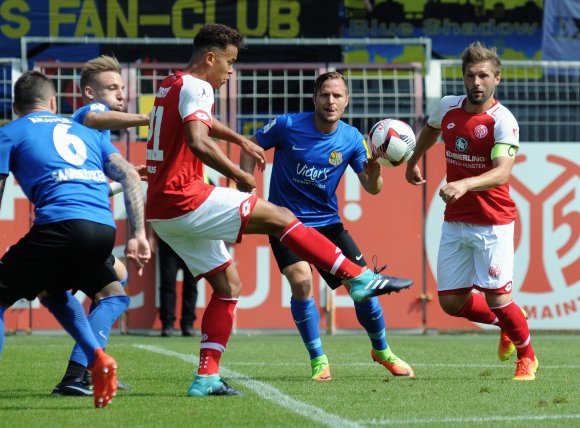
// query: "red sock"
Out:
[475,309]
[216,328]
[514,323]
[315,248]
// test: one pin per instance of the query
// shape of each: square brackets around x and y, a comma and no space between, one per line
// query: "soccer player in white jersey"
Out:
[477,241]
[195,218]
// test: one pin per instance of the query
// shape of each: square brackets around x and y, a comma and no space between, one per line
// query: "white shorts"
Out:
[198,237]
[475,256]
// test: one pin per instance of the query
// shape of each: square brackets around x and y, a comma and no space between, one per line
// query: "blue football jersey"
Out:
[309,164]
[59,166]
[79,115]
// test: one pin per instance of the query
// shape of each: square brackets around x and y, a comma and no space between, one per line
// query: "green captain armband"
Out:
[505,150]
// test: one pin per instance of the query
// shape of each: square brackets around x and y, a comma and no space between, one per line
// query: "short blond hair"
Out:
[96,66]
[478,52]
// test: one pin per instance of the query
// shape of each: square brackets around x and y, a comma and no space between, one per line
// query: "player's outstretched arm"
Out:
[137,248]
[202,145]
[114,120]
[427,138]
[248,164]
[221,131]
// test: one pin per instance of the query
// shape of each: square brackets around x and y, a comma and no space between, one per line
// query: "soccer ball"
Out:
[392,142]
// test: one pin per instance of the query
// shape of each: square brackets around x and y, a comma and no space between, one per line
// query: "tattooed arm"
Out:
[118,169]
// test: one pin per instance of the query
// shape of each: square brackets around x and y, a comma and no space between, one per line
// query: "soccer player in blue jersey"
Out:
[312,152]
[103,92]
[62,167]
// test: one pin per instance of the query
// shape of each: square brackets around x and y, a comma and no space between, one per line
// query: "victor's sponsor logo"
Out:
[311,172]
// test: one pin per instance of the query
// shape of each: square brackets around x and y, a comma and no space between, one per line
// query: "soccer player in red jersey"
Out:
[195,218]
[477,241]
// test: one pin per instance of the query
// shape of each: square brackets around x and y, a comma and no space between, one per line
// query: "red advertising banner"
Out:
[391,226]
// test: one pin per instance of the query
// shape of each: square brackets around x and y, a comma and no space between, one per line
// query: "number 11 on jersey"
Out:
[154,154]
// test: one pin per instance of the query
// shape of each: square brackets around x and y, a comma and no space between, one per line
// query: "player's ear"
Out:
[52,104]
[89,93]
[209,57]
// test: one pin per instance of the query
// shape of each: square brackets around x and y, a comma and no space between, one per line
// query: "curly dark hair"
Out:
[219,36]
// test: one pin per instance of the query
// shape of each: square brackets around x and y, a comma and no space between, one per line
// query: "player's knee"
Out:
[120,270]
[235,288]
[450,306]
[287,215]
[302,289]
[112,289]
[282,217]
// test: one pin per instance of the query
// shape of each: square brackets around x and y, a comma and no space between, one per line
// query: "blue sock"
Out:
[124,280]
[123,284]
[370,315]
[101,320]
[71,315]
[1,328]
[307,320]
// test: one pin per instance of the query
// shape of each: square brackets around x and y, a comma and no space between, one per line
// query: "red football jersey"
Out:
[469,139]
[176,184]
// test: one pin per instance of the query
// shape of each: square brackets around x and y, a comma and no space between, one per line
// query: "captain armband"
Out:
[504,150]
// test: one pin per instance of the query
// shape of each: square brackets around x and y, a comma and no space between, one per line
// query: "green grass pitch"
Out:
[460,382]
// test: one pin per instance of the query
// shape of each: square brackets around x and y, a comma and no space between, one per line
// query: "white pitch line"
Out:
[487,419]
[265,391]
[445,365]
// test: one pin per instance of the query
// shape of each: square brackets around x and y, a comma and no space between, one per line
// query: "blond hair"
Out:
[93,68]
[478,52]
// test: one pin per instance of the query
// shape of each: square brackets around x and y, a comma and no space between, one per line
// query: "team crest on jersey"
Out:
[480,131]
[335,158]
[461,144]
